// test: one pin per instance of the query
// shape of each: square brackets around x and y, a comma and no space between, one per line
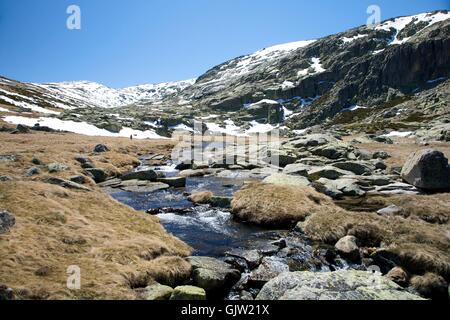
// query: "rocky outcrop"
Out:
[284,179]
[213,275]
[149,175]
[7,221]
[427,170]
[339,285]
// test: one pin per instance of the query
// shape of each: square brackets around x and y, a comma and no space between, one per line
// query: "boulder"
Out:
[57,167]
[339,188]
[146,175]
[99,175]
[32,171]
[65,183]
[188,293]
[280,158]
[362,154]
[213,275]
[100,148]
[193,173]
[383,139]
[175,182]
[37,161]
[339,285]
[6,293]
[399,276]
[78,179]
[7,221]
[113,183]
[269,268]
[327,172]
[357,167]
[157,291]
[381,155]
[284,179]
[348,248]
[141,186]
[297,169]
[311,140]
[252,257]
[202,197]
[220,202]
[332,151]
[427,170]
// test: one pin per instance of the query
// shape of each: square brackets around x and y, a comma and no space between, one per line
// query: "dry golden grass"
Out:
[417,246]
[57,227]
[279,205]
[432,208]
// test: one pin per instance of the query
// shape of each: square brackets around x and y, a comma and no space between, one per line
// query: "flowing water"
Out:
[210,231]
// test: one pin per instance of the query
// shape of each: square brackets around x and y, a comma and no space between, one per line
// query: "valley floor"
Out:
[61,223]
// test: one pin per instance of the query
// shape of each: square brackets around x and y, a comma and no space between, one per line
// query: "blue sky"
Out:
[123,43]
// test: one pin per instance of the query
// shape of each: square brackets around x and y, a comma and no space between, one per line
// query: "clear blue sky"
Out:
[124,43]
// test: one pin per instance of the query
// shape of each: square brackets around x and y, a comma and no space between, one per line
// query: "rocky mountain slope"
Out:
[391,72]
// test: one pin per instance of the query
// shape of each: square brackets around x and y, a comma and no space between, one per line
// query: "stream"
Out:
[213,232]
[210,231]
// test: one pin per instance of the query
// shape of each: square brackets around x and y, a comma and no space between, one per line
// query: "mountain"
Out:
[75,94]
[396,72]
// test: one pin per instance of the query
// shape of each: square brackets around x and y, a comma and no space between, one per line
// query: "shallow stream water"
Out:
[210,231]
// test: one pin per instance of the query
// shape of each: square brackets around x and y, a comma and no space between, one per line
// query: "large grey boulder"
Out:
[269,268]
[339,188]
[348,248]
[332,151]
[284,179]
[297,169]
[66,183]
[213,275]
[327,172]
[312,140]
[176,182]
[149,175]
[252,257]
[142,186]
[427,170]
[357,167]
[339,285]
[99,175]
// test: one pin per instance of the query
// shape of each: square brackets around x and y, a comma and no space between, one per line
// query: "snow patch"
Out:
[353,108]
[26,105]
[398,134]
[400,23]
[81,127]
[349,40]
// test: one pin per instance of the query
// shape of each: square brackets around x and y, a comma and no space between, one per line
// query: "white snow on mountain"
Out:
[95,94]
[400,23]
[81,127]
[243,65]
[349,40]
